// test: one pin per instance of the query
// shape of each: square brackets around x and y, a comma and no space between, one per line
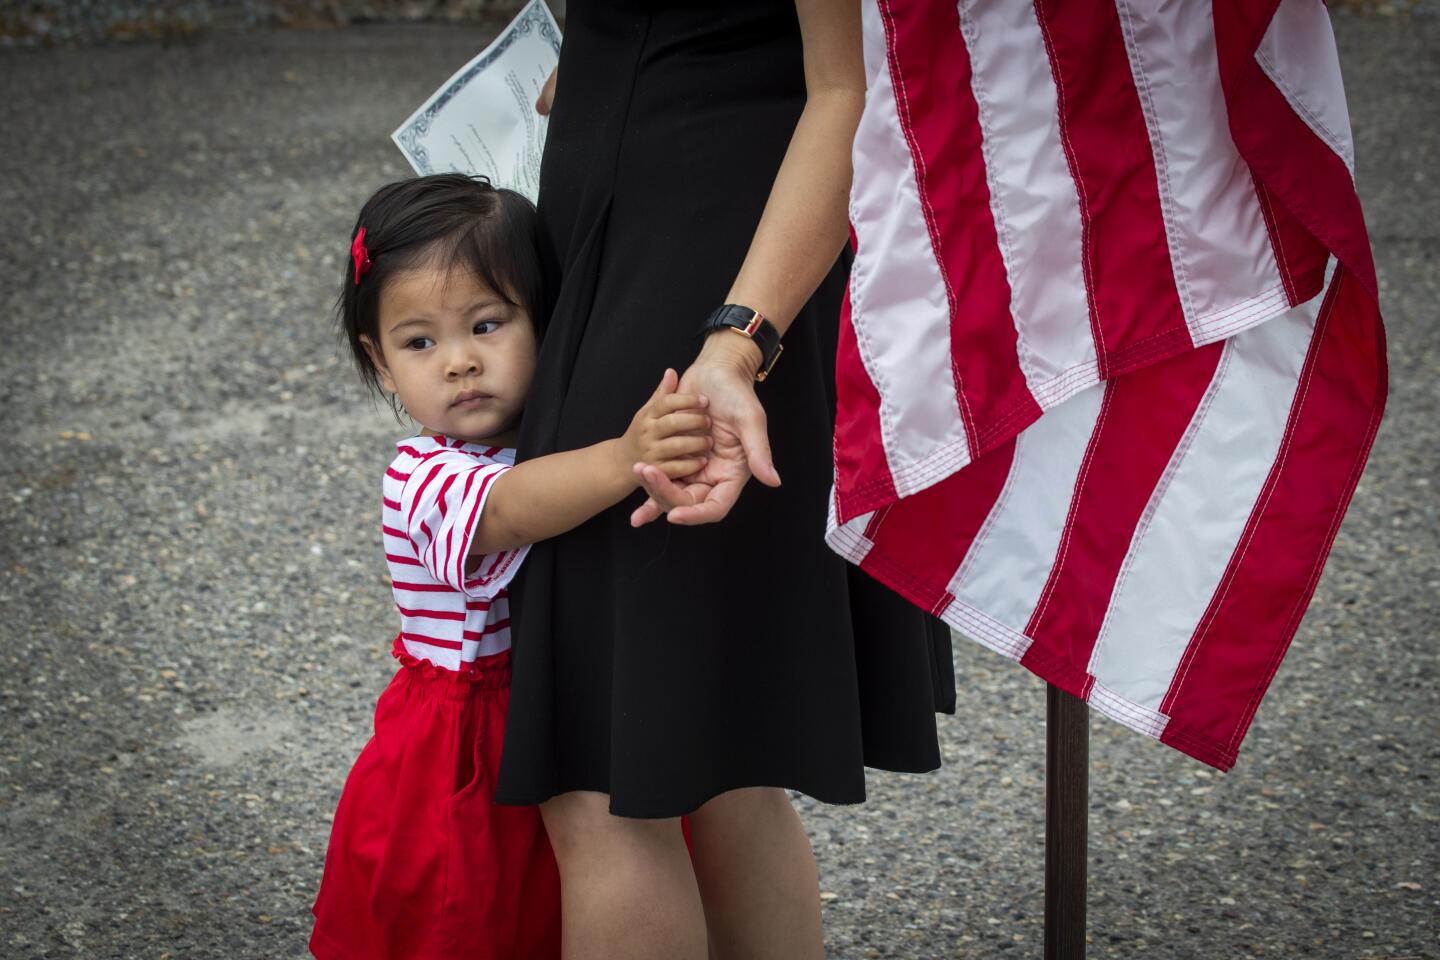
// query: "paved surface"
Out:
[48,23]
[195,621]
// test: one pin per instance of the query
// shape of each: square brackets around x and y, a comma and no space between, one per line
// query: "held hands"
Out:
[670,434]
[724,372]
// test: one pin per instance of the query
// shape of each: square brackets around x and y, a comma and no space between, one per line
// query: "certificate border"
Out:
[536,16]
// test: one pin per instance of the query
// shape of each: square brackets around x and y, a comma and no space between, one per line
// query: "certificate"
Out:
[483,120]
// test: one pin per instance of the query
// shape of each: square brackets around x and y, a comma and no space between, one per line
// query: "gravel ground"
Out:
[47,23]
[195,619]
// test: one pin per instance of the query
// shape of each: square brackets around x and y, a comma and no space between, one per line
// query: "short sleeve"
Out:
[441,503]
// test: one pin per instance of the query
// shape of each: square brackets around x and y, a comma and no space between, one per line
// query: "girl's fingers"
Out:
[676,469]
[668,382]
[672,447]
[671,402]
[682,423]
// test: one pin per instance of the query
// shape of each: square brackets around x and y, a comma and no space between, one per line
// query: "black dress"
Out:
[666,665]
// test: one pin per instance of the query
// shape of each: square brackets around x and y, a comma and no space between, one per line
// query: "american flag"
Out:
[1111,361]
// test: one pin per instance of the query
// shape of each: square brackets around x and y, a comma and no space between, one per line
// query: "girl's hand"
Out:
[670,433]
[724,372]
[547,94]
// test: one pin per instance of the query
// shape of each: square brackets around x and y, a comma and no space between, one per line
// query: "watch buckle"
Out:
[764,372]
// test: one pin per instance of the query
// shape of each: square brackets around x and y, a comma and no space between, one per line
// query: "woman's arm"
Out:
[801,232]
[806,218]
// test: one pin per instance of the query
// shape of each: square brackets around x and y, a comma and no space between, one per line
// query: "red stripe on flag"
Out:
[931,531]
[1300,257]
[930,70]
[1298,169]
[1264,591]
[1142,418]
[1137,317]
[862,481]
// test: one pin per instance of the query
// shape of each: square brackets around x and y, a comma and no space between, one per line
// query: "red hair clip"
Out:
[360,255]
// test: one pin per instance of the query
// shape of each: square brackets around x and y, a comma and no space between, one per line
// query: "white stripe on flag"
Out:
[1177,558]
[1010,560]
[1032,197]
[1298,54]
[1225,270]
[904,336]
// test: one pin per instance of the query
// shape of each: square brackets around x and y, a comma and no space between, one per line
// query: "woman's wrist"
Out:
[730,346]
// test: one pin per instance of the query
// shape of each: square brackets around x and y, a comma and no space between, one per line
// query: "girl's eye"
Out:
[487,326]
[418,343]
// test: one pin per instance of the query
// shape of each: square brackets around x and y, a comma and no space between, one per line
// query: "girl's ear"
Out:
[377,357]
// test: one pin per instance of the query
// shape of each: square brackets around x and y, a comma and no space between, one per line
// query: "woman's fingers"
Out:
[663,490]
[647,512]
[547,94]
[716,504]
[755,438]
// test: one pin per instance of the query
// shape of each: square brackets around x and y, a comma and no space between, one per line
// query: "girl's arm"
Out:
[550,495]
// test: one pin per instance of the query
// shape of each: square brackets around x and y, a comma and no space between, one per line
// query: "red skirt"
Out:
[422,863]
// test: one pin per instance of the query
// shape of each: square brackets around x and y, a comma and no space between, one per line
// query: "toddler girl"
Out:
[442,306]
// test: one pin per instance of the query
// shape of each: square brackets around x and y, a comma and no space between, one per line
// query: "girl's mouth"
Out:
[470,398]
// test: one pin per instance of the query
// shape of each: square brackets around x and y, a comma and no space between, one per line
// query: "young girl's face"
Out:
[458,355]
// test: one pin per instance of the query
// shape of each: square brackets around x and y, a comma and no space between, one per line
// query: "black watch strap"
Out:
[753,325]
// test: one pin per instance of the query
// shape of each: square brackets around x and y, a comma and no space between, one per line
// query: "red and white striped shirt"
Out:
[434,492]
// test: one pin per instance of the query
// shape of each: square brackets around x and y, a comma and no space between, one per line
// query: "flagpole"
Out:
[1067,788]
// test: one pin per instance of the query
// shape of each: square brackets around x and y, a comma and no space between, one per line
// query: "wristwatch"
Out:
[752,324]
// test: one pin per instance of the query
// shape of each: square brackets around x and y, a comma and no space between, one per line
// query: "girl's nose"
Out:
[463,363]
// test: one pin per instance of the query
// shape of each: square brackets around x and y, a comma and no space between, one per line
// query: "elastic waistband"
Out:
[484,673]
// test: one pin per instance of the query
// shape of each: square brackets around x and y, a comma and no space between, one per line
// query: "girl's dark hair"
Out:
[446,220]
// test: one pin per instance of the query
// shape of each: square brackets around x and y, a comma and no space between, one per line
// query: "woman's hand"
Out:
[724,372]
[547,94]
